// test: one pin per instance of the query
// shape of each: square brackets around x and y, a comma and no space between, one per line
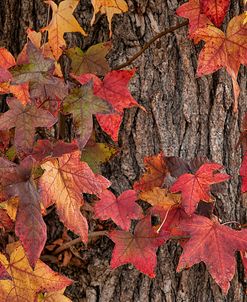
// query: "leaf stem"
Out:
[147,45]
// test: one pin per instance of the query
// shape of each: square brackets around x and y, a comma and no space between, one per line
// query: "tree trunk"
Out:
[186,116]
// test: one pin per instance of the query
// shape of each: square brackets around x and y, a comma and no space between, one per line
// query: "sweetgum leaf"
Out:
[29,227]
[62,21]
[26,283]
[109,7]
[139,248]
[91,61]
[121,209]
[25,120]
[215,10]
[192,11]
[6,59]
[82,103]
[197,187]
[156,172]
[215,245]
[224,50]
[63,182]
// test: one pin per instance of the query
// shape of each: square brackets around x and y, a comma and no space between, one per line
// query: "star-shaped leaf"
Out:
[121,209]
[62,21]
[215,245]
[139,248]
[26,283]
[215,10]
[63,182]
[25,120]
[82,103]
[196,187]
[109,7]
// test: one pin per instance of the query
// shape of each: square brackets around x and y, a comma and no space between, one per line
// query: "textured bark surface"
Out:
[186,116]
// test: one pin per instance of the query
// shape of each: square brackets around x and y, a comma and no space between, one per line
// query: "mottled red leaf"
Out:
[215,245]
[196,187]
[139,248]
[215,10]
[121,209]
[5,221]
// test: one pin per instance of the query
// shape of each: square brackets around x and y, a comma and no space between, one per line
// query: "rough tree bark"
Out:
[186,116]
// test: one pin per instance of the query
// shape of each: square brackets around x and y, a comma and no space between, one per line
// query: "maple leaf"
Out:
[155,174]
[7,60]
[192,11]
[215,10]
[45,149]
[26,283]
[25,120]
[243,173]
[138,249]
[224,50]
[5,221]
[62,21]
[121,209]
[197,187]
[63,182]
[215,245]
[91,61]
[114,89]
[109,7]
[95,154]
[29,227]
[160,197]
[82,103]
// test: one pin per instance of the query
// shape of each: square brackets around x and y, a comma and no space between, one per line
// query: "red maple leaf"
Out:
[121,209]
[192,11]
[215,245]
[114,89]
[196,187]
[215,10]
[139,248]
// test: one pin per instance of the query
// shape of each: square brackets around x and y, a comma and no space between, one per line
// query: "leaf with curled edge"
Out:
[192,11]
[113,89]
[139,248]
[25,120]
[224,50]
[62,21]
[82,104]
[91,61]
[26,282]
[121,209]
[196,187]
[215,245]
[63,182]
[215,10]
[109,7]
[156,172]
[16,180]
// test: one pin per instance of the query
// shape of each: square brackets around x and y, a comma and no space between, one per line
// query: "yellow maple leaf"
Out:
[26,283]
[62,21]
[109,7]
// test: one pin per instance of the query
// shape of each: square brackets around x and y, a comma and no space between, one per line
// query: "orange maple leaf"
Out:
[62,21]
[63,182]
[109,7]
[224,50]
[26,283]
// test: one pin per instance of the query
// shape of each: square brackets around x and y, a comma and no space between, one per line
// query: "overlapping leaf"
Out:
[63,182]
[215,10]
[224,50]
[26,283]
[215,245]
[121,209]
[197,187]
[25,120]
[82,103]
[91,61]
[139,248]
[109,7]
[62,21]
